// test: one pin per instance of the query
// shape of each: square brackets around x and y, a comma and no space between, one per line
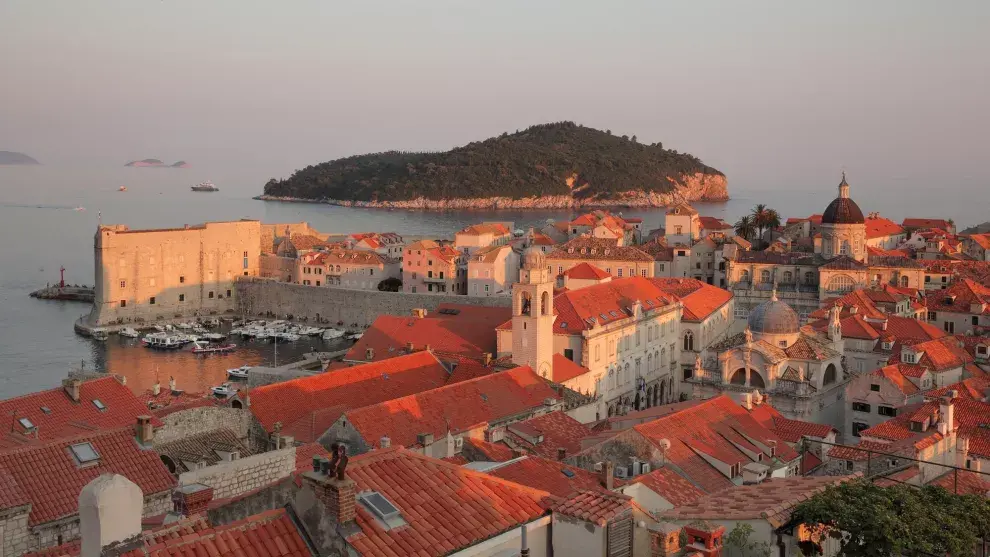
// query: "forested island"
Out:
[554,165]
[14,158]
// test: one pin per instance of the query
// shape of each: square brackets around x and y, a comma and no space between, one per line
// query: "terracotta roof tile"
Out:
[586,271]
[456,407]
[470,332]
[480,450]
[772,500]
[438,500]
[793,431]
[700,300]
[596,506]
[712,223]
[602,249]
[202,448]
[51,479]
[559,431]
[548,475]
[565,370]
[671,486]
[56,416]
[894,376]
[964,483]
[973,388]
[308,406]
[925,223]
[848,453]
[605,303]
[879,227]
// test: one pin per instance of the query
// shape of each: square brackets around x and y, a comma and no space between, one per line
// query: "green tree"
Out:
[873,521]
[772,221]
[759,216]
[738,544]
[745,227]
[390,284]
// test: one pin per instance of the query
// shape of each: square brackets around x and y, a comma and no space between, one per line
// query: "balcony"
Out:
[436,280]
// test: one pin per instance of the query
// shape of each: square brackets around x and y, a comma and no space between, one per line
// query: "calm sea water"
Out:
[40,231]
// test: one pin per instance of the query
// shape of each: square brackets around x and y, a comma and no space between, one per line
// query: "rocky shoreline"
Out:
[697,187]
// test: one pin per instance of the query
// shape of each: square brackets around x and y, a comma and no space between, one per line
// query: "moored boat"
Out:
[224,389]
[205,186]
[239,372]
[331,334]
[129,332]
[200,347]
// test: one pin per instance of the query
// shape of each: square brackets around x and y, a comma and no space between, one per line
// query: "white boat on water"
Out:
[129,332]
[224,389]
[284,337]
[239,372]
[183,326]
[101,336]
[331,334]
[213,337]
[355,336]
[162,341]
[309,331]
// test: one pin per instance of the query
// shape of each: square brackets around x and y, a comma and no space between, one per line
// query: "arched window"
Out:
[612,378]
[841,284]
[545,304]
[739,377]
[744,276]
[656,360]
[663,357]
[625,374]
[829,377]
[809,278]
[756,380]
[904,282]
[788,277]
[765,276]
[525,304]
[688,342]
[649,363]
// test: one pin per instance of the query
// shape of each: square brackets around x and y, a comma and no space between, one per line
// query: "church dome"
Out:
[842,209]
[533,258]
[774,317]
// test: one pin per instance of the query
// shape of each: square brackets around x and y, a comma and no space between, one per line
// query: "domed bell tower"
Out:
[532,314]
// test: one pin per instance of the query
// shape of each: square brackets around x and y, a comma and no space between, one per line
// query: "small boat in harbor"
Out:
[355,336]
[213,337]
[224,389]
[331,334]
[101,336]
[239,372]
[162,341]
[309,331]
[205,186]
[122,188]
[200,347]
[129,332]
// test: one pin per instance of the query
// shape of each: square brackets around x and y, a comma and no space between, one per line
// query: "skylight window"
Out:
[46,410]
[563,324]
[613,314]
[84,453]
[99,404]
[379,505]
[26,423]
[604,316]
[567,472]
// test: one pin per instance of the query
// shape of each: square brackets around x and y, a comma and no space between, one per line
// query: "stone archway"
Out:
[649,396]
[739,377]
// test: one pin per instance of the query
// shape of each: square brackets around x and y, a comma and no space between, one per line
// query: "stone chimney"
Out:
[369,354]
[561,453]
[191,499]
[607,475]
[486,359]
[419,313]
[144,431]
[946,411]
[72,387]
[754,473]
[428,348]
[705,539]
[156,389]
[385,442]
[424,439]
[338,495]
[110,510]
[410,347]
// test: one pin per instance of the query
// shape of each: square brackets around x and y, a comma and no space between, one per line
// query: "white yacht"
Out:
[205,186]
[129,332]
[239,372]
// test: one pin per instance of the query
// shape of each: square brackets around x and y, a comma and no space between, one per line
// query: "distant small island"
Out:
[156,163]
[549,166]
[12,158]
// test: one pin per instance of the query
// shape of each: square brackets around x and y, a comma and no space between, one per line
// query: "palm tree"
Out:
[772,221]
[759,216]
[745,227]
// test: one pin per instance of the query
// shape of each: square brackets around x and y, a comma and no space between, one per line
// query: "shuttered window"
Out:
[620,537]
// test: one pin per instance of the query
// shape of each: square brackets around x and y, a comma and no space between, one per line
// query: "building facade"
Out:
[492,270]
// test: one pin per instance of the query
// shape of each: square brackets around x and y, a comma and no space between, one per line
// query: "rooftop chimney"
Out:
[424,439]
[410,347]
[72,386]
[332,487]
[144,431]
[607,475]
[110,510]
[369,354]
[946,410]
[191,499]
[156,389]
[385,442]
[561,453]
[428,348]
[486,358]
[419,313]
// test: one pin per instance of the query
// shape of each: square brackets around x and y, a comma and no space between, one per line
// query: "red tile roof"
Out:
[939,355]
[898,328]
[849,453]
[481,450]
[308,406]
[926,223]
[793,431]
[894,376]
[50,479]
[586,271]
[879,227]
[606,302]
[964,483]
[456,407]
[597,506]
[772,500]
[564,369]
[961,297]
[446,507]
[712,223]
[671,486]
[973,388]
[559,431]
[548,475]
[471,332]
[602,249]
[700,299]
[494,228]
[65,418]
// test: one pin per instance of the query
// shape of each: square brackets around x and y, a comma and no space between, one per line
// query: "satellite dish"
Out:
[665,444]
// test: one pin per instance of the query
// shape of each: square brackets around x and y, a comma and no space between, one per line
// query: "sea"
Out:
[49,214]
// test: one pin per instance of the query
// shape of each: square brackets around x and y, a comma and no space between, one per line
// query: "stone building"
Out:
[145,275]
[477,236]
[492,270]
[429,267]
[604,253]
[843,227]
[804,375]
[345,268]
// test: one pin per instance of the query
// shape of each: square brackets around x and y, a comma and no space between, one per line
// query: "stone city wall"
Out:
[332,305]
[229,479]
[193,421]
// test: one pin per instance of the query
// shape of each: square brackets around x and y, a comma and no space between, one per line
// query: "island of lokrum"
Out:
[549,166]
[13,158]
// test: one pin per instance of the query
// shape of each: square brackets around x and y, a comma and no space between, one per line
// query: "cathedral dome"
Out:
[774,317]
[842,209]
[533,258]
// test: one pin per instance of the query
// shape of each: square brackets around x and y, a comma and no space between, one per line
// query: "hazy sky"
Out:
[773,93]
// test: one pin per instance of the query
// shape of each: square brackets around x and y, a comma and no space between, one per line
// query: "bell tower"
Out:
[532,314]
